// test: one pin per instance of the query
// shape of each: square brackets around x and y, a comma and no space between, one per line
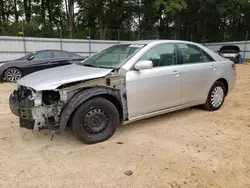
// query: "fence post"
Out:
[24,43]
[245,47]
[118,35]
[89,42]
[61,38]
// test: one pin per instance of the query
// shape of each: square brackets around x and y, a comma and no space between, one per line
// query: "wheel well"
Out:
[224,81]
[109,97]
[116,102]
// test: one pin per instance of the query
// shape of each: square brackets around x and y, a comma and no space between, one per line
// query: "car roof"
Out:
[145,42]
[52,50]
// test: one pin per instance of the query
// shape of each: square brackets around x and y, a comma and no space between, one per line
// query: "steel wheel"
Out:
[94,121]
[13,75]
[217,96]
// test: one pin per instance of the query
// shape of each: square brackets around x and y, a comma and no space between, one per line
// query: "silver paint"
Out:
[52,78]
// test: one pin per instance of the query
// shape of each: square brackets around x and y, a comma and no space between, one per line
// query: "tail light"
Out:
[233,66]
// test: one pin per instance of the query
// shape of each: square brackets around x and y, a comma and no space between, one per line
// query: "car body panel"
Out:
[196,81]
[153,89]
[52,78]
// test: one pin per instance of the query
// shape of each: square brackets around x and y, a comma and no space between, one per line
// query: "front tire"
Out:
[13,75]
[95,120]
[215,97]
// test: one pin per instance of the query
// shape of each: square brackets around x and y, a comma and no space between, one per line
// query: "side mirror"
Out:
[30,57]
[142,65]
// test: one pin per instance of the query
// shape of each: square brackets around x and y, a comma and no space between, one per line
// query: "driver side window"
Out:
[42,55]
[161,55]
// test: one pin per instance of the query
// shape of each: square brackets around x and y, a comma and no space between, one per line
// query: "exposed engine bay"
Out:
[40,108]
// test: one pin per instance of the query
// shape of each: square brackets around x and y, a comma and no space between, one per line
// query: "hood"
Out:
[229,49]
[14,61]
[51,79]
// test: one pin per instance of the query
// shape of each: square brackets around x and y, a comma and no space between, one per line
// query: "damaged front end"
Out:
[52,109]
[36,110]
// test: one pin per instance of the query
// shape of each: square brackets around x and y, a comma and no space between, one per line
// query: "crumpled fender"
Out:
[78,99]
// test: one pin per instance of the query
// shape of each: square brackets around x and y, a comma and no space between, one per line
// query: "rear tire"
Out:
[95,120]
[216,97]
[13,75]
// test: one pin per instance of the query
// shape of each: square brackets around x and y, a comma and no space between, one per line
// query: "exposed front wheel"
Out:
[95,120]
[215,97]
[13,75]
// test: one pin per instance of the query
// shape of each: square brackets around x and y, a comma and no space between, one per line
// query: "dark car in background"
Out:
[231,52]
[13,70]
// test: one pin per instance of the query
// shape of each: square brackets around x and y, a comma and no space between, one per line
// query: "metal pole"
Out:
[245,47]
[139,26]
[118,35]
[61,46]
[24,43]
[89,42]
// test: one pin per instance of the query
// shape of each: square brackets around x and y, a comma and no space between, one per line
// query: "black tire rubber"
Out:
[113,120]
[6,72]
[208,105]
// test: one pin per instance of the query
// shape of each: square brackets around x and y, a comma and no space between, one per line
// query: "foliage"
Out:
[196,20]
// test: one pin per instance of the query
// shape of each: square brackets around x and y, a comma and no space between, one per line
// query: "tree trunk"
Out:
[71,17]
[15,8]
[27,9]
[43,12]
[102,29]
[2,15]
[50,15]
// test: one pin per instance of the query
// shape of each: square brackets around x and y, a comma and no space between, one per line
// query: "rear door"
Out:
[197,69]
[157,88]
[60,58]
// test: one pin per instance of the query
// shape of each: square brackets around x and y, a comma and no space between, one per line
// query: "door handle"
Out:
[176,73]
[213,67]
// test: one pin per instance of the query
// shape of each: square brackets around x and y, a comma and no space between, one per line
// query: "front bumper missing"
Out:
[33,117]
[25,115]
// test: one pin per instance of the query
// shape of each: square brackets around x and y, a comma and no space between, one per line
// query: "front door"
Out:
[157,88]
[39,62]
[196,68]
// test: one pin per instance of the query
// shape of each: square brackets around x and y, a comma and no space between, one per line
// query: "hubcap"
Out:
[217,96]
[13,75]
[95,121]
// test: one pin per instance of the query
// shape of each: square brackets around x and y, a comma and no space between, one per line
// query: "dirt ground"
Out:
[191,148]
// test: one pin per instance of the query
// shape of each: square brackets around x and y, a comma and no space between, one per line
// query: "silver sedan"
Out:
[121,84]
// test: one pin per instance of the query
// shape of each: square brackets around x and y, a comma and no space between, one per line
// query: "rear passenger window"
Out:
[193,54]
[161,55]
[60,54]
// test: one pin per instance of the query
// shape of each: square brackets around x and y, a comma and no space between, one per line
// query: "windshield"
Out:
[113,57]
[26,56]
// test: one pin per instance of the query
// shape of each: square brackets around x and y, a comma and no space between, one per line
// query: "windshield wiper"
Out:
[90,65]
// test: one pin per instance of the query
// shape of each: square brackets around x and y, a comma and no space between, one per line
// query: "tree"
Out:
[197,20]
